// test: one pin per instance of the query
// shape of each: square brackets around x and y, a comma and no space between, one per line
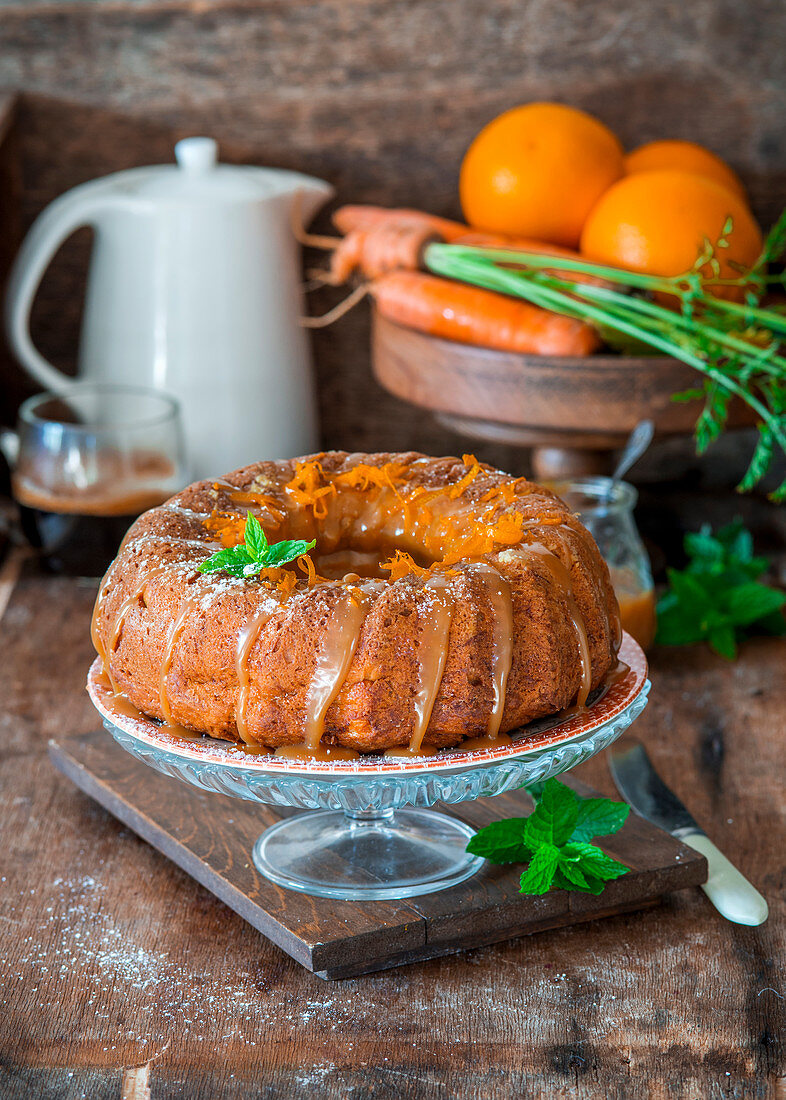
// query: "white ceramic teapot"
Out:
[193,288]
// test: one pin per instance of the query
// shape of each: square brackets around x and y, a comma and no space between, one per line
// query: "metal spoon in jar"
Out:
[637,443]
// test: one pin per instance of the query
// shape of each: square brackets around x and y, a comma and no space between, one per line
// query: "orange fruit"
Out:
[657,222]
[685,156]
[537,171]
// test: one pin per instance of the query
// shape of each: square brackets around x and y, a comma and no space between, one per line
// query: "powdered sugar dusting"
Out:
[79,943]
[220,586]
[84,950]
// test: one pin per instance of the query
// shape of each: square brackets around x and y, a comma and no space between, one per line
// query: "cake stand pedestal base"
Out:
[371,855]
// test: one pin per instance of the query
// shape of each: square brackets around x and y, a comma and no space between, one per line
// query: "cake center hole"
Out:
[366,562]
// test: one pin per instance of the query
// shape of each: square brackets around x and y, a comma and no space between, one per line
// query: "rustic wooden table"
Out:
[113,958]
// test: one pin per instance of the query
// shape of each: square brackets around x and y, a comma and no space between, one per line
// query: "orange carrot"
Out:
[389,246]
[470,315]
[379,240]
[349,218]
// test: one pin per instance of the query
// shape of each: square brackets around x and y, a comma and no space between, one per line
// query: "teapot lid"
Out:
[197,175]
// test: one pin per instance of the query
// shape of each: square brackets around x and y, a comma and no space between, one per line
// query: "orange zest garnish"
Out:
[421,494]
[457,489]
[508,528]
[306,564]
[444,567]
[229,526]
[308,488]
[403,565]
[283,580]
[388,475]
[500,494]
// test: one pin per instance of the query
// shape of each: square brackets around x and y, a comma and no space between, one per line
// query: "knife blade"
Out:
[641,786]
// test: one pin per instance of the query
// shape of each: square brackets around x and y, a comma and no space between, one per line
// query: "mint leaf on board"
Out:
[563,882]
[594,885]
[554,816]
[599,817]
[248,559]
[592,861]
[573,875]
[538,877]
[502,842]
[554,840]
[718,597]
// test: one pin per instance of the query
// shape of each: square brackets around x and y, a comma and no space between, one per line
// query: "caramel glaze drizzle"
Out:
[245,643]
[188,605]
[432,656]
[123,705]
[616,640]
[333,660]
[498,592]
[120,703]
[98,644]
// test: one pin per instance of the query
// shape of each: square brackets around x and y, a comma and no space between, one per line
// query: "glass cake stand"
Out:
[358,842]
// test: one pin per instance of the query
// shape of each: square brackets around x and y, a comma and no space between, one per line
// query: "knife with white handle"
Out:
[640,785]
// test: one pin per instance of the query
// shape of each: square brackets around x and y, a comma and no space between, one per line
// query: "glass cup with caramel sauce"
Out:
[86,463]
[605,507]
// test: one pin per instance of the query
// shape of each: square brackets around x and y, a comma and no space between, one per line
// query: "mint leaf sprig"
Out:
[718,597]
[249,558]
[555,840]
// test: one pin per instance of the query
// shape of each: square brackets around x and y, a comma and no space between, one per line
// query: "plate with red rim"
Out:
[542,734]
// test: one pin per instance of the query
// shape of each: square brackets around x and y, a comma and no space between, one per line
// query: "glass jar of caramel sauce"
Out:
[605,507]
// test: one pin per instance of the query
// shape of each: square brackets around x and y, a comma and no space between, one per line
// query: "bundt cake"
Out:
[443,600]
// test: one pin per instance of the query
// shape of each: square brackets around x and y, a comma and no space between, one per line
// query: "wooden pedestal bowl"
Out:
[574,412]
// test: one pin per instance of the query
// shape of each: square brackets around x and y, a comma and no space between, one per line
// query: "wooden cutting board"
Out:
[211,835]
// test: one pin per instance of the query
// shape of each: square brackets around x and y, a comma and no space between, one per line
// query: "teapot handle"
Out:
[51,228]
